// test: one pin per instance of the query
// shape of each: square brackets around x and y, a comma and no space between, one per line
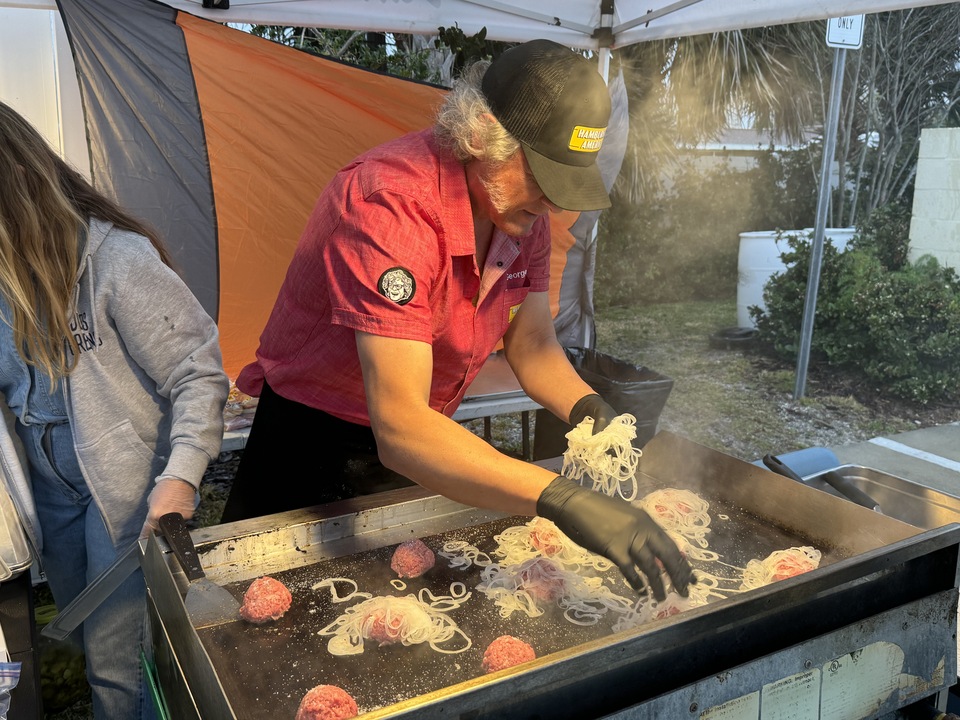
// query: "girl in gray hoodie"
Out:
[113,373]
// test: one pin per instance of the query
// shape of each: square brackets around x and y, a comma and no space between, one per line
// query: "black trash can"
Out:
[626,387]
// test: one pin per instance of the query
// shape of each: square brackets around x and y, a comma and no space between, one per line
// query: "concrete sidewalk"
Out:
[928,457]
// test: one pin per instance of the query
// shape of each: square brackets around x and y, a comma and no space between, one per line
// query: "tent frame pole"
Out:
[588,331]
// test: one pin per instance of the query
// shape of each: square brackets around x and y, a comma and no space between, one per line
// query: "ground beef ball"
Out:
[412,559]
[266,599]
[506,651]
[327,702]
[383,627]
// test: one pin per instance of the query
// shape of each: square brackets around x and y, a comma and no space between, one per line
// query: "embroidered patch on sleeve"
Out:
[397,284]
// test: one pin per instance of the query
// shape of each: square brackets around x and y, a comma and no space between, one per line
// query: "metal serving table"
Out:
[496,391]
[872,630]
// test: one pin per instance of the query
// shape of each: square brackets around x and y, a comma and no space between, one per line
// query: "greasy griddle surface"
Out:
[265,670]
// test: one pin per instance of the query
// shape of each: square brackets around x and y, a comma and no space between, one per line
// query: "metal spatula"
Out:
[207,603]
[92,596]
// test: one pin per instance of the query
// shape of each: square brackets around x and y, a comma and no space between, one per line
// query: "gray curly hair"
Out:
[460,125]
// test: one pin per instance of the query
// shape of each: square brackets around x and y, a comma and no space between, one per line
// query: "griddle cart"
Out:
[871,631]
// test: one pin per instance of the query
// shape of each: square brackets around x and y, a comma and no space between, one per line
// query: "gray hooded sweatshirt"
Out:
[146,396]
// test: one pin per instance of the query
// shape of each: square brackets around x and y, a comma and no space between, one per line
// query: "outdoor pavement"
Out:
[928,457]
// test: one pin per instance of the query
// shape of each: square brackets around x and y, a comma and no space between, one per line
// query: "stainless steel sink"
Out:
[904,500]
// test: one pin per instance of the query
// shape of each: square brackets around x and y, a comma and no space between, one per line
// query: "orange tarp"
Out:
[279,123]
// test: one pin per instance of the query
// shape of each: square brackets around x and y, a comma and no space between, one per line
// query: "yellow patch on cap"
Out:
[513,312]
[587,139]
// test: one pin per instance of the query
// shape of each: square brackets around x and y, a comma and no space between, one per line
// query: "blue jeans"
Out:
[76,548]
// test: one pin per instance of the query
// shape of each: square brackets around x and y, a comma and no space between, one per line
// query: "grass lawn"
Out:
[736,400]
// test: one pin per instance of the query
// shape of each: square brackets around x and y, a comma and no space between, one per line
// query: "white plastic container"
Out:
[759,259]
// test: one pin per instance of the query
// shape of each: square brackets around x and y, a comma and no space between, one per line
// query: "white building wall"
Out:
[935,225]
[38,80]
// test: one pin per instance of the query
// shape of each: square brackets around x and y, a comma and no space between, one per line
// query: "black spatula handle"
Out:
[776,465]
[841,484]
[174,529]
[845,486]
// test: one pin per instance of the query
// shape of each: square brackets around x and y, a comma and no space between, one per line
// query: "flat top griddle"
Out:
[266,669]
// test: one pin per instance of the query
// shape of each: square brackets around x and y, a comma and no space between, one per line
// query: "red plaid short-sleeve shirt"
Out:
[389,250]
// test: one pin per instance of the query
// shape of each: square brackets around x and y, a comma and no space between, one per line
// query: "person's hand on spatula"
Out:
[622,533]
[169,494]
[592,406]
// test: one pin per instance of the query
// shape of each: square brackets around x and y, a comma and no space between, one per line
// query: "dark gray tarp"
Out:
[147,147]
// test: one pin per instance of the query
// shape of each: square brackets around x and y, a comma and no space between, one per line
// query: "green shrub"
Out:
[886,233]
[912,317]
[899,327]
[785,295]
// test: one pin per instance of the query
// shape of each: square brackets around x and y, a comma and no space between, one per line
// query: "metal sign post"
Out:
[842,33]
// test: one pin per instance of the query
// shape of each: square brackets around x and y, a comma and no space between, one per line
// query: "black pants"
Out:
[297,456]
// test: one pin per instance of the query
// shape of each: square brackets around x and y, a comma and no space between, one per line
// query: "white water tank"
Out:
[759,258]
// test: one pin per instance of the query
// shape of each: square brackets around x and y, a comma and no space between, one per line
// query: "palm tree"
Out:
[685,90]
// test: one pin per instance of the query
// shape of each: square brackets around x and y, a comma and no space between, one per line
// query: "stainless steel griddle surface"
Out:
[266,669]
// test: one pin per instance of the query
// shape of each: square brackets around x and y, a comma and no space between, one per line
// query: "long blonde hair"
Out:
[44,204]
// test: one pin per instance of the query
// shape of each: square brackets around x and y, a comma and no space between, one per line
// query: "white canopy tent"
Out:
[589,24]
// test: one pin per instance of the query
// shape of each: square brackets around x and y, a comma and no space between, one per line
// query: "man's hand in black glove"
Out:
[592,406]
[620,532]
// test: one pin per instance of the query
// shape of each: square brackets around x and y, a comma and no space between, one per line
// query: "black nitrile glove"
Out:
[595,407]
[614,528]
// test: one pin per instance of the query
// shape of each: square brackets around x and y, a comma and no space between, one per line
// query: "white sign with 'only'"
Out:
[845,32]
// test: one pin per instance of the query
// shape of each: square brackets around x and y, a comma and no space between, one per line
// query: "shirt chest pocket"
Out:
[512,300]
[495,318]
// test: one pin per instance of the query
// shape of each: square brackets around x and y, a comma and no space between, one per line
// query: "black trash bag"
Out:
[626,388]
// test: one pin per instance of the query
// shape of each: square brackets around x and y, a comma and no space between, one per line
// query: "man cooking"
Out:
[419,257]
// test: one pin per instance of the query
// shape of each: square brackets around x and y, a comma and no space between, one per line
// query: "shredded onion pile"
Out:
[461,554]
[680,511]
[527,585]
[648,610]
[408,620]
[607,458]
[541,537]
[779,565]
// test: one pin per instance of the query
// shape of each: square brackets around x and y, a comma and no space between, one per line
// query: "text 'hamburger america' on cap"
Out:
[555,103]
